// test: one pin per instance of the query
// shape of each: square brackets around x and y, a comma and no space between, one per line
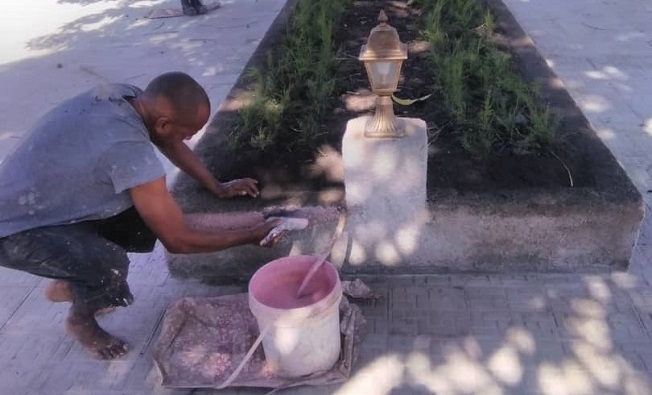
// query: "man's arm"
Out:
[164,217]
[186,160]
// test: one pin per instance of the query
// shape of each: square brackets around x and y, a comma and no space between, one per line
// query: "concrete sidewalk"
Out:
[549,334]
[63,47]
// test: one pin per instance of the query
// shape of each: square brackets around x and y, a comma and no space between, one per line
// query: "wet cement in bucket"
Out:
[276,285]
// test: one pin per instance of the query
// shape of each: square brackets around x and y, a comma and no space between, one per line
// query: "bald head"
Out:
[174,107]
[181,91]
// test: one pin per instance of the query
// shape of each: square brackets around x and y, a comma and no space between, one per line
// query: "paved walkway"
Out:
[544,334]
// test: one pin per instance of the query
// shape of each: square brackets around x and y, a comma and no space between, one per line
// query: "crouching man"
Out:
[85,186]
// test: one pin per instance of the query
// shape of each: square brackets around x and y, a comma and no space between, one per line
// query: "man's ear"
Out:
[160,124]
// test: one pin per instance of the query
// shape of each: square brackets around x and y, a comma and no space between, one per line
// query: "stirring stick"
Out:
[322,258]
[311,273]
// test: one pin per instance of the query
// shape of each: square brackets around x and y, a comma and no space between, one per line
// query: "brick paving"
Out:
[526,333]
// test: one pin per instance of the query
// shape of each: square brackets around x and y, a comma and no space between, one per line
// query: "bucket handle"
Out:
[246,358]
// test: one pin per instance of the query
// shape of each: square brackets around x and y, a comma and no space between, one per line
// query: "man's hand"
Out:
[273,239]
[282,227]
[240,187]
[271,236]
[186,160]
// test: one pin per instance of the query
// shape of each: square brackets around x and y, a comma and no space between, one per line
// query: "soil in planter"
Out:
[449,166]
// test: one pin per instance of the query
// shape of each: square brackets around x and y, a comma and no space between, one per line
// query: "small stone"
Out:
[59,65]
[520,119]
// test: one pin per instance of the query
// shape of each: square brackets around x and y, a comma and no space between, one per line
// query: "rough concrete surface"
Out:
[542,334]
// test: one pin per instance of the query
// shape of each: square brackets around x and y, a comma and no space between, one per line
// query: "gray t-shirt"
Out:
[78,162]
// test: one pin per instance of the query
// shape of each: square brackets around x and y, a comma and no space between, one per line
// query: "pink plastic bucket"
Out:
[304,334]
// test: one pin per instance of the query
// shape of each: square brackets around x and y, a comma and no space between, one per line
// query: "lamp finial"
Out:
[382,17]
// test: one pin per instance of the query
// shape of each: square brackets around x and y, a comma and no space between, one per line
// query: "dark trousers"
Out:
[91,256]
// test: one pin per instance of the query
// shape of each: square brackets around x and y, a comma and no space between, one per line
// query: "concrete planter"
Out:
[591,228]
[567,230]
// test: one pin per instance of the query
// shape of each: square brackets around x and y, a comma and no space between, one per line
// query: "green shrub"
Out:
[493,110]
[295,89]
[490,107]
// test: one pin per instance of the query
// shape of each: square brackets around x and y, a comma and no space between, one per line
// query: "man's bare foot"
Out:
[59,291]
[94,339]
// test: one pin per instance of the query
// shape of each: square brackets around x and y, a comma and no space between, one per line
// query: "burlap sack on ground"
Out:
[203,340]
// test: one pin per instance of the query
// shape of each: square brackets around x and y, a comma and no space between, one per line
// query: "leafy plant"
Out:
[293,92]
[491,107]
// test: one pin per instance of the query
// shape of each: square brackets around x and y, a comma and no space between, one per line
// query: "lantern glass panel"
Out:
[382,74]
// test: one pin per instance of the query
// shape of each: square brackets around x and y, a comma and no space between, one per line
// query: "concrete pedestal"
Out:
[385,182]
